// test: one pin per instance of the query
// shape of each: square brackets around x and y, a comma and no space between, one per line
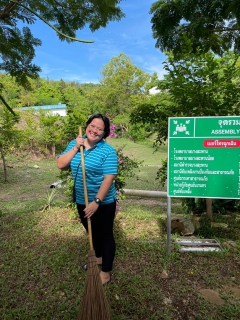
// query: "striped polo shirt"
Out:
[99,160]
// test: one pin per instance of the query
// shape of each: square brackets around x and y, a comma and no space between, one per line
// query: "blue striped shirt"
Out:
[100,160]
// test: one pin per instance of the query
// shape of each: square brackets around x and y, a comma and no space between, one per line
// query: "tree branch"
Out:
[6,105]
[73,7]
[6,12]
[50,25]
[225,29]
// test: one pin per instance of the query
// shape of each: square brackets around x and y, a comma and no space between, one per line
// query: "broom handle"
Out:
[85,192]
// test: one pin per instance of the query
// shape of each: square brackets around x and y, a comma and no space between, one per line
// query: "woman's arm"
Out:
[105,186]
[64,160]
[102,192]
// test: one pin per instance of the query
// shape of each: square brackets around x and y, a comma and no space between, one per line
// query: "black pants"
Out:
[102,232]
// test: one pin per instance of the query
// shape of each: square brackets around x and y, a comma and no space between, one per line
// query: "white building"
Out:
[59,109]
[154,90]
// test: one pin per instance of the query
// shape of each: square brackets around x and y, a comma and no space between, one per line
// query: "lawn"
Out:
[42,253]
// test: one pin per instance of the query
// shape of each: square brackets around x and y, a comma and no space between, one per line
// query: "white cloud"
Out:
[47,70]
[124,35]
[82,78]
[150,63]
[158,68]
[104,50]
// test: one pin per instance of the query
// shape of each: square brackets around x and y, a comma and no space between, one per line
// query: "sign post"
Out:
[204,157]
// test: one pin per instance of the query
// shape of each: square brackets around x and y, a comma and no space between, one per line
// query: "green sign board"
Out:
[204,157]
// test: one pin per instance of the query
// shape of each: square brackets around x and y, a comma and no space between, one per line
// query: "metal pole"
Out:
[168,226]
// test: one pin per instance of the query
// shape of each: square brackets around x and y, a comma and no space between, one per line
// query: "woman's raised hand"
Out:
[79,141]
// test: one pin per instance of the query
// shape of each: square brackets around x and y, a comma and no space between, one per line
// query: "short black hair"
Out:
[104,119]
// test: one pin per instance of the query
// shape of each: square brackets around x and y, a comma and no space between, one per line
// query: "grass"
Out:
[142,151]
[42,253]
[151,161]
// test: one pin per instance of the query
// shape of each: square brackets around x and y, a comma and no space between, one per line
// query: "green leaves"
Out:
[17,48]
[8,134]
[123,86]
[195,85]
[209,25]
[126,168]
[18,54]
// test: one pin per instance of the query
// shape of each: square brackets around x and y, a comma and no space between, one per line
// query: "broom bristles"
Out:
[94,304]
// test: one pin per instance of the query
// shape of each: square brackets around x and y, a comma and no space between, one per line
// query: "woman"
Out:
[100,161]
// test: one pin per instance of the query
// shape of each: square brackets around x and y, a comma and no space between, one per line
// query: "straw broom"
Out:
[94,305]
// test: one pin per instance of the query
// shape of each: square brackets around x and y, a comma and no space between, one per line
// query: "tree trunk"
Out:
[4,165]
[209,209]
[31,145]
[53,150]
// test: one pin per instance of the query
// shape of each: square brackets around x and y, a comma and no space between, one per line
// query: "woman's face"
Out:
[95,130]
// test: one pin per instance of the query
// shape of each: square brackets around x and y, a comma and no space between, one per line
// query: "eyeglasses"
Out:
[96,128]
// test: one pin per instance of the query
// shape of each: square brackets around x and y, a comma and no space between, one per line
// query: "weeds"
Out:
[49,199]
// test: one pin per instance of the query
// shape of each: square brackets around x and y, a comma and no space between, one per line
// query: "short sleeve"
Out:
[68,148]
[110,165]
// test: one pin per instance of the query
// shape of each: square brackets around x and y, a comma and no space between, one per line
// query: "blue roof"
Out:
[51,107]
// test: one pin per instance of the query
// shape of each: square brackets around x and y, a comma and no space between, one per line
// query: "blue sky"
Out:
[82,62]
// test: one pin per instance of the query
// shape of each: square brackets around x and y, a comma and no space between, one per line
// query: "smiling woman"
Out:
[101,164]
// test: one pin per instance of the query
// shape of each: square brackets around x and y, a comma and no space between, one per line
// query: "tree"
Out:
[73,97]
[26,98]
[51,131]
[72,122]
[29,131]
[210,25]
[46,93]
[8,135]
[123,86]
[17,47]
[195,85]
[10,90]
